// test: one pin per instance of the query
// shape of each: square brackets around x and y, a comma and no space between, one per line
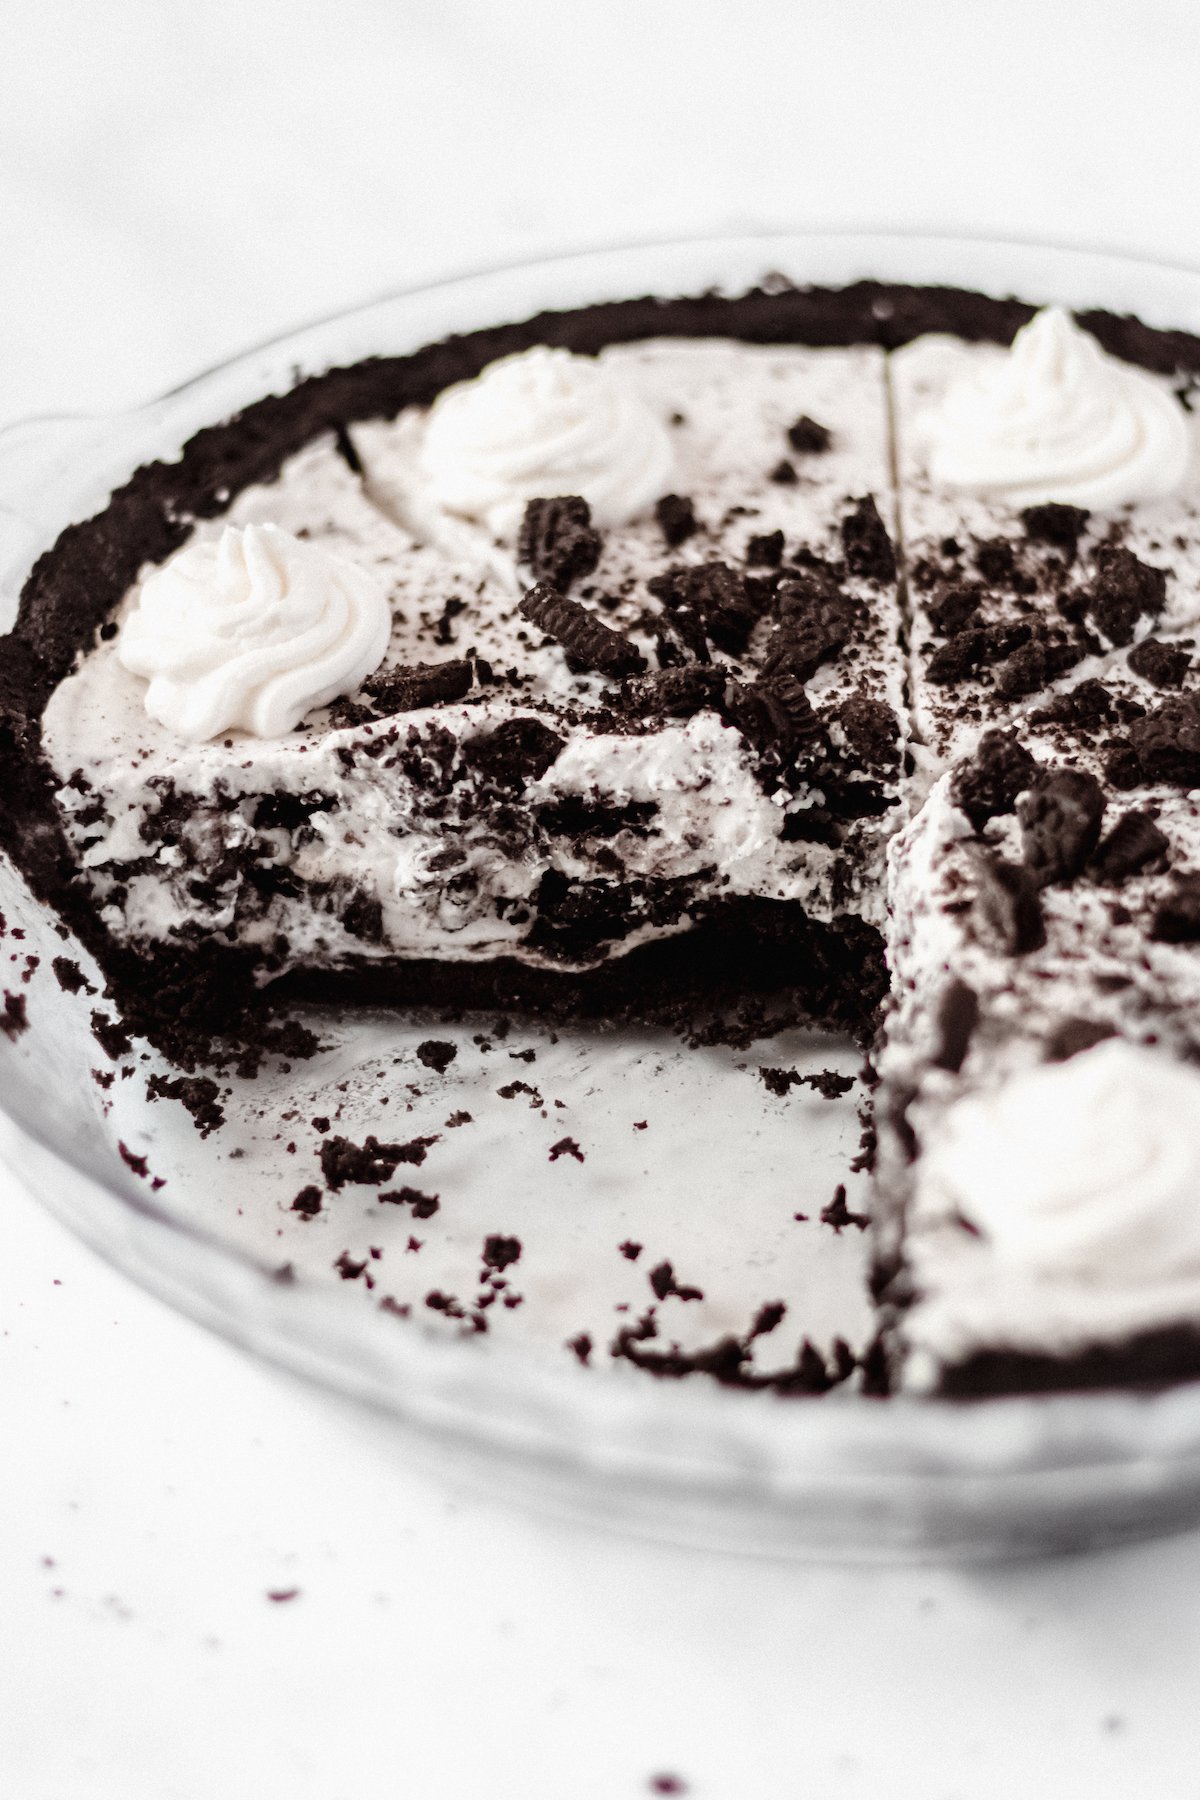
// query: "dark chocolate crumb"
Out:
[199,1094]
[1133,844]
[956,659]
[1075,1035]
[1033,665]
[1166,742]
[957,1015]
[708,601]
[676,519]
[518,751]
[557,541]
[414,685]
[871,730]
[513,1088]
[829,1084]
[866,544]
[1121,765]
[975,648]
[581,634]
[629,1250]
[783,474]
[70,976]
[779,1081]
[1054,523]
[996,561]
[437,1301]
[1060,815]
[566,1147]
[662,1280]
[14,1015]
[1163,665]
[1008,906]
[363,918]
[1125,590]
[1177,917]
[766,549]
[347,1268]
[370,1163]
[581,1347]
[774,714]
[436,1054]
[808,438]
[111,1035]
[673,693]
[132,1160]
[953,610]
[1084,707]
[501,1252]
[728,1362]
[837,1213]
[990,782]
[423,1205]
[816,622]
[307,1202]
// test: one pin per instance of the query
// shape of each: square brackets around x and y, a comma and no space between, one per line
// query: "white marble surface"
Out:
[176,181]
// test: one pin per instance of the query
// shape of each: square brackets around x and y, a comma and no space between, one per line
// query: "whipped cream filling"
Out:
[447,884]
[252,632]
[1055,418]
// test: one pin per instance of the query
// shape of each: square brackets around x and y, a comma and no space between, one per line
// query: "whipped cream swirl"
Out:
[1087,1170]
[251,632]
[541,423]
[1055,418]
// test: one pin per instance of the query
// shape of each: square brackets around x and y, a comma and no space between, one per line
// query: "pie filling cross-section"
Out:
[802,656]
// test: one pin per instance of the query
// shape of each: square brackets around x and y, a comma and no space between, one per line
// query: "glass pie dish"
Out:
[716,1184]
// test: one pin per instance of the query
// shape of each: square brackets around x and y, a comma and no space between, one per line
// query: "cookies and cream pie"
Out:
[809,655]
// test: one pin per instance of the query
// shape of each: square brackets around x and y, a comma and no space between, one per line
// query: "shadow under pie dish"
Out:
[685,646]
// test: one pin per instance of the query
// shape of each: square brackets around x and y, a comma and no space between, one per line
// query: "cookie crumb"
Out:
[676,518]
[837,1213]
[807,437]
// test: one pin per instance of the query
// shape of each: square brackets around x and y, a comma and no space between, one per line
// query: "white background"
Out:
[175,181]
